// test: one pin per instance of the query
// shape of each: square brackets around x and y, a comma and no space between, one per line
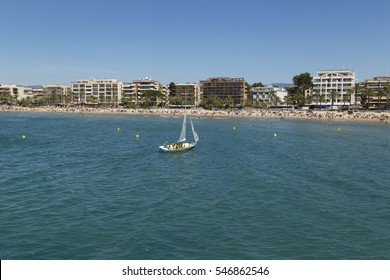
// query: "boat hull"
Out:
[169,149]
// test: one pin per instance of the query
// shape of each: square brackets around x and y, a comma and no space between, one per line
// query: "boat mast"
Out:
[182,137]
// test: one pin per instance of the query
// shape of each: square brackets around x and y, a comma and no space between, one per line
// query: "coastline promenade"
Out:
[371,116]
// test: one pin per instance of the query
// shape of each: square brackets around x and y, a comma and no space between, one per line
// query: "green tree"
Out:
[229,102]
[316,96]
[309,99]
[380,93]
[89,99]
[321,99]
[295,96]
[25,102]
[258,84]
[366,95]
[289,99]
[333,95]
[211,102]
[272,97]
[303,81]
[152,96]
[247,87]
[260,104]
[82,96]
[172,89]
[356,89]
[347,98]
[172,100]
[16,97]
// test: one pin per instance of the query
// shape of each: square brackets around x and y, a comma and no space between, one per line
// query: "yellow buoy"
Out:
[118,129]
[339,129]
[23,136]
[137,136]
[275,135]
[234,128]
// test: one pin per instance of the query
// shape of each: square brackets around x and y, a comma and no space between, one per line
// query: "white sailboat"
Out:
[182,145]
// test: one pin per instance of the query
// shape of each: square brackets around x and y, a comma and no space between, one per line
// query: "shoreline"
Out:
[358,116]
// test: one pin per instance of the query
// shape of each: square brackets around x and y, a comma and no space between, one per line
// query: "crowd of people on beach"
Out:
[357,115]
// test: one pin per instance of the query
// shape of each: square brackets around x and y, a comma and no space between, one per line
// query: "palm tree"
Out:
[309,99]
[321,99]
[288,99]
[16,98]
[356,90]
[347,98]
[316,96]
[381,93]
[89,99]
[333,95]
[366,94]
[274,98]
[229,102]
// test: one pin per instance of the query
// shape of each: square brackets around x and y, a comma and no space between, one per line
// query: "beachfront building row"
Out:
[341,84]
[372,93]
[22,92]
[16,92]
[112,91]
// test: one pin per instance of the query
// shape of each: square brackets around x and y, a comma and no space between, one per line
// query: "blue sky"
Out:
[57,42]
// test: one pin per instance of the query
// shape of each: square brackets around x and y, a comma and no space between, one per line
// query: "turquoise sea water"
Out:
[76,188]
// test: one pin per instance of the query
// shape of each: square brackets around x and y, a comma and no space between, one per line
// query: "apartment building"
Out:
[134,91]
[16,91]
[378,87]
[188,93]
[340,81]
[57,89]
[225,87]
[269,95]
[95,91]
[376,83]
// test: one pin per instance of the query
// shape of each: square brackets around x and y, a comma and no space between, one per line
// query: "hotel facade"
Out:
[94,91]
[379,89]
[135,90]
[225,87]
[19,92]
[189,93]
[340,81]
[267,94]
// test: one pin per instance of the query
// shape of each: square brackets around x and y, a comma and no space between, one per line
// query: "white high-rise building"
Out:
[339,81]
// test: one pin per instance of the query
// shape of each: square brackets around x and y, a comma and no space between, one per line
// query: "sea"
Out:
[84,187]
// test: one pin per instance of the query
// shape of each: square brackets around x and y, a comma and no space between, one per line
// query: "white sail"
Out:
[196,137]
[182,137]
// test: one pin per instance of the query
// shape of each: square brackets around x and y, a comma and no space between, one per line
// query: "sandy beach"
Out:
[370,116]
